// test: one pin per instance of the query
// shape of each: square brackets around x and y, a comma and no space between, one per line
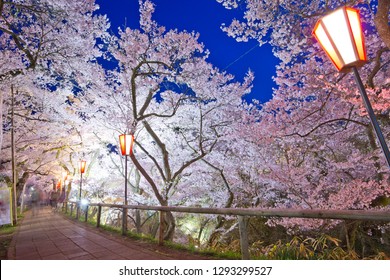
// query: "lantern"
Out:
[340,35]
[126,142]
[83,163]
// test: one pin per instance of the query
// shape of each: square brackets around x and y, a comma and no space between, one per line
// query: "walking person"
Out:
[61,200]
[54,199]
[35,200]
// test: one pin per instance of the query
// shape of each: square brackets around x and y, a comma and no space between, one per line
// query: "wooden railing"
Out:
[242,214]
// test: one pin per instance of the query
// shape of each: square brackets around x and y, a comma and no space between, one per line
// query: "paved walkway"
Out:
[51,236]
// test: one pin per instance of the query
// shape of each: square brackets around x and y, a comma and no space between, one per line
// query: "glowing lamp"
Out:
[340,35]
[83,163]
[126,142]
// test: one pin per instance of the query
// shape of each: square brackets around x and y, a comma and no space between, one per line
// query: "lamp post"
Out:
[82,165]
[126,142]
[340,35]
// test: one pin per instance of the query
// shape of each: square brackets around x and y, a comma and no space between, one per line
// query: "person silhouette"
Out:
[35,197]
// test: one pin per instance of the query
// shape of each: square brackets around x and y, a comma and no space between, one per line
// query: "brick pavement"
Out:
[51,236]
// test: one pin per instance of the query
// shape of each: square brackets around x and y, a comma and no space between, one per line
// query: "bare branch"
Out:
[325,123]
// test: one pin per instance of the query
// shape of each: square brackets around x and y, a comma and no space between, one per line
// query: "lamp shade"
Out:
[340,35]
[126,142]
[83,163]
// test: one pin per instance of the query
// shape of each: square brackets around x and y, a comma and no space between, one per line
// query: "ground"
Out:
[6,234]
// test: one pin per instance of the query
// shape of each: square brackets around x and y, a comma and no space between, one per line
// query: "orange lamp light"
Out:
[83,163]
[126,142]
[340,35]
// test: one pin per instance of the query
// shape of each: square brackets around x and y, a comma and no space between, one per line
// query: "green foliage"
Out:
[7,229]
[224,255]
[324,247]
[6,234]
[306,249]
[110,228]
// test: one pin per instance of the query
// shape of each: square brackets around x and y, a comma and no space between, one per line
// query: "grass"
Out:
[209,252]
[6,234]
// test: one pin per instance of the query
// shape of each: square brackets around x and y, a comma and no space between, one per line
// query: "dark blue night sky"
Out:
[204,17]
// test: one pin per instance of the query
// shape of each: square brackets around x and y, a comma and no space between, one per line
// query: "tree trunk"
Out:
[138,222]
[1,119]
[169,220]
[382,21]
[13,156]
[169,226]
[22,199]
[137,189]
[20,184]
[216,234]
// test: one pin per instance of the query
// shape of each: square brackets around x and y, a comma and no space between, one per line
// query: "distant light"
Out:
[84,202]
[340,35]
[83,163]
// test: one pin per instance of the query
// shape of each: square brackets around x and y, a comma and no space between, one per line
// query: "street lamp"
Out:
[63,189]
[82,165]
[340,35]
[126,142]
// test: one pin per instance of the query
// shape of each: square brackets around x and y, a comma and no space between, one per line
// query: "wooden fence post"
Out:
[124,221]
[71,209]
[78,210]
[99,215]
[161,230]
[242,225]
[86,213]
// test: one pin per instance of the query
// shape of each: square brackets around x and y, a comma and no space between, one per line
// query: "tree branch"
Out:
[377,67]
[381,21]
[162,201]
[153,159]
[325,123]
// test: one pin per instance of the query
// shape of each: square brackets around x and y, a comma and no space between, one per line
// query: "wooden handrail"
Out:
[365,215]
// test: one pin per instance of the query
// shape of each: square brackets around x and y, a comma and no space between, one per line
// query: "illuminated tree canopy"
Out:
[197,142]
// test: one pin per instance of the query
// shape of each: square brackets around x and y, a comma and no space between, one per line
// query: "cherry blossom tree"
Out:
[48,50]
[56,39]
[320,149]
[196,142]
[53,36]
[287,25]
[43,132]
[178,106]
